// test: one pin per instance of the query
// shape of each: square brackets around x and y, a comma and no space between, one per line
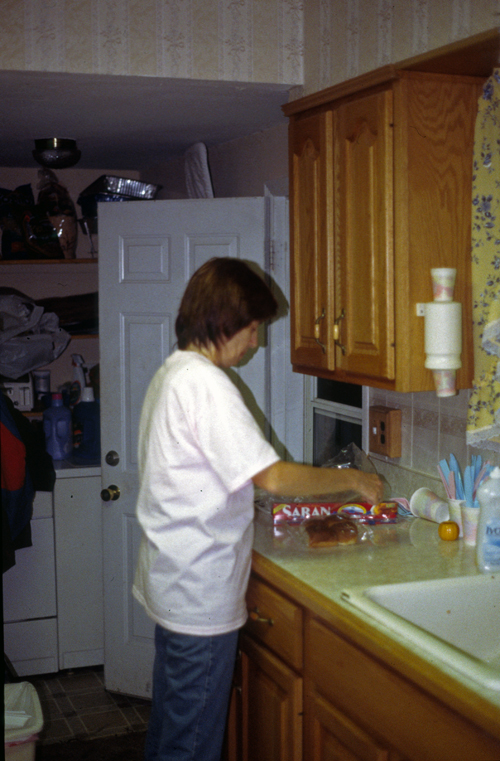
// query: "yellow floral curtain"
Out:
[483,420]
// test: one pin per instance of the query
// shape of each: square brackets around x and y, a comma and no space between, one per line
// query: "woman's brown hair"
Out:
[222,297]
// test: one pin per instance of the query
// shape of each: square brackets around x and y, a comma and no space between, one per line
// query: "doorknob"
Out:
[111,493]
[112,458]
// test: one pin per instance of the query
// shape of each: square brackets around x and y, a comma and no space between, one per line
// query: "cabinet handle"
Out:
[254,615]
[317,330]
[336,331]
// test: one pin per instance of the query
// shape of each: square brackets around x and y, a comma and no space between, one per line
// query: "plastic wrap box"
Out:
[23,721]
[121,186]
[109,188]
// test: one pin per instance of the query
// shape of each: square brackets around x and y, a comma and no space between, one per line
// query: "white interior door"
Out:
[147,252]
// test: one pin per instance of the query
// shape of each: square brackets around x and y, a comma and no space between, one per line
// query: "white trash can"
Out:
[23,721]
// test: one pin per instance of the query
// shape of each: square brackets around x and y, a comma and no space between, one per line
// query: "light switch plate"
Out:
[385,431]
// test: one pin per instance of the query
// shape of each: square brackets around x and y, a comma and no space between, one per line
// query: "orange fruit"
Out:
[449,531]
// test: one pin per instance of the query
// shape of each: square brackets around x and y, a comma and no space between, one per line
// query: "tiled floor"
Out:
[76,705]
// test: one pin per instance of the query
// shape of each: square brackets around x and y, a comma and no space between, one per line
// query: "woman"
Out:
[200,454]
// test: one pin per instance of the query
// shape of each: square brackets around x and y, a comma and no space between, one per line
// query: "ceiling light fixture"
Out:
[56,152]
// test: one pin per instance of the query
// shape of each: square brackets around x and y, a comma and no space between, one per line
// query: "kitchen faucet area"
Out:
[348,153]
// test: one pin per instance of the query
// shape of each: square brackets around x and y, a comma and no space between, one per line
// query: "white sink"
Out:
[456,621]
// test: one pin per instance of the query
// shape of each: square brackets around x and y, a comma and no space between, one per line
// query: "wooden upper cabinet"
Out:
[381,191]
[311,200]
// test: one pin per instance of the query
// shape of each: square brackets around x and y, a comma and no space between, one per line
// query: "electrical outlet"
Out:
[385,431]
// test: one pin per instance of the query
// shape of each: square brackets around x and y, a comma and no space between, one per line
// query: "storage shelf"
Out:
[79,260]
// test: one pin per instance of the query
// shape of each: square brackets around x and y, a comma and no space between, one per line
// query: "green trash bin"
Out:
[23,721]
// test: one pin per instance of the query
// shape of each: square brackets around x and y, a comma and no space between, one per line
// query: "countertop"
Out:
[407,551]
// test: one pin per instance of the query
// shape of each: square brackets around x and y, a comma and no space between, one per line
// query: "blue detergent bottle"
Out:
[86,427]
[488,530]
[57,429]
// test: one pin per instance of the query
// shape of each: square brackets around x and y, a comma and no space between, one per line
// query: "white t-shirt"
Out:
[199,447]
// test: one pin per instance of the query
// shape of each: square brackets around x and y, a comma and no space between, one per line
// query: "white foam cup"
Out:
[425,504]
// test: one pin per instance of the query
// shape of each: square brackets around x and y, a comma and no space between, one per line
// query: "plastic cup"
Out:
[446,382]
[41,384]
[425,504]
[443,283]
[41,381]
[455,506]
[470,519]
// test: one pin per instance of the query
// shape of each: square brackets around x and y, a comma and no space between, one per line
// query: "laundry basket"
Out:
[23,721]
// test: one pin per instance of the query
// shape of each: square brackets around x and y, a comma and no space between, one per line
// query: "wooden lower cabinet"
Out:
[400,717]
[265,715]
[333,732]
[336,701]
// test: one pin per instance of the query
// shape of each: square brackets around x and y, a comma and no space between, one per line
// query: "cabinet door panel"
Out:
[80,620]
[434,120]
[273,699]
[363,235]
[335,737]
[233,749]
[311,239]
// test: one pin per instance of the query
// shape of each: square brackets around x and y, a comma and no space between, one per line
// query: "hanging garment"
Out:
[483,419]
[25,467]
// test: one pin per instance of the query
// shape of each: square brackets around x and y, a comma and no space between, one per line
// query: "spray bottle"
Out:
[78,382]
[86,430]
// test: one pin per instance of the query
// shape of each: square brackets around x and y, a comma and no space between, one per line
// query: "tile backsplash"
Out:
[432,427]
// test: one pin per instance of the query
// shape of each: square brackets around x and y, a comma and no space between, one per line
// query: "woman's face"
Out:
[232,350]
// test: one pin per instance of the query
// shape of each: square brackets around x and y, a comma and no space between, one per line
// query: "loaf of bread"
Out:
[330,531]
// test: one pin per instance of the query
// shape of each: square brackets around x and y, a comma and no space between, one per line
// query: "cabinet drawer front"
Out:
[29,587]
[417,724]
[31,646]
[275,621]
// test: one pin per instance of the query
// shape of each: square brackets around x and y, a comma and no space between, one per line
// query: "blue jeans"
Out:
[191,690]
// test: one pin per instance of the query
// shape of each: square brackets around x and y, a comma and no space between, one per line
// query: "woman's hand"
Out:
[294,480]
[370,486]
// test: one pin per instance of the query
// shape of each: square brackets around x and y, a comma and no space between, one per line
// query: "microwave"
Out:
[19,391]
[335,415]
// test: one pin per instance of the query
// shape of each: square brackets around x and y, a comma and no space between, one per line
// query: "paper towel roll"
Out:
[443,335]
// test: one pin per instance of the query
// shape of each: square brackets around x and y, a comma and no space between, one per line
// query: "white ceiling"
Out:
[123,122]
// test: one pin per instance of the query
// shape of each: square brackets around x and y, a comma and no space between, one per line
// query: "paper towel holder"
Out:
[443,331]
